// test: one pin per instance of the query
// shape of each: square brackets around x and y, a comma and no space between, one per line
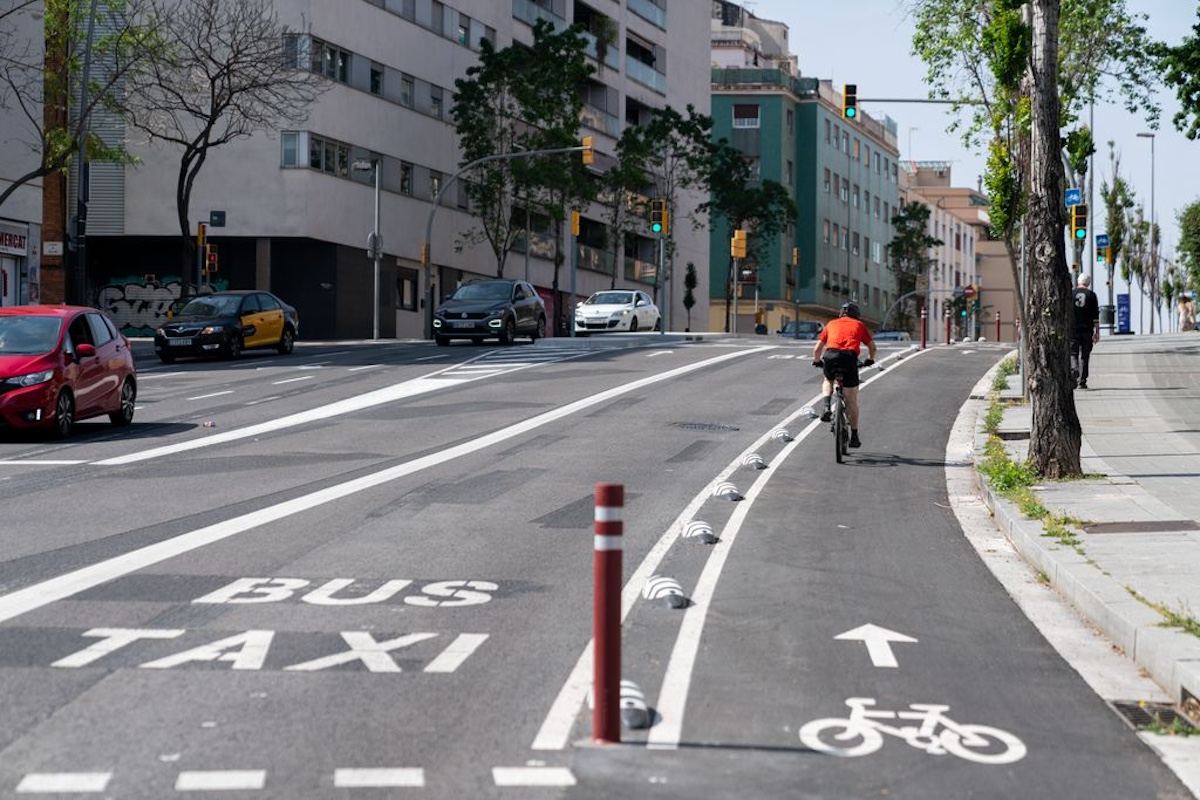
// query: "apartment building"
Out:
[21,213]
[968,257]
[842,173]
[295,213]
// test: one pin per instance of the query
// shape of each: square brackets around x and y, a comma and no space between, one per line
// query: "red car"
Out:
[60,364]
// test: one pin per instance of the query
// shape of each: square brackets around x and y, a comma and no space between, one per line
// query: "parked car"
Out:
[490,309]
[225,324]
[617,310]
[61,364]
[800,329]
[891,336]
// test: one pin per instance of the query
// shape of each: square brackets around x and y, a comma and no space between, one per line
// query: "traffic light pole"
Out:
[426,260]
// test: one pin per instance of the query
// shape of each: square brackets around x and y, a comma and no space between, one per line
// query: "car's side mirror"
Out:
[85,350]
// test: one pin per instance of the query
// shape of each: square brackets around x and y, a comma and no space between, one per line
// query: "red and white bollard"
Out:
[924,325]
[606,613]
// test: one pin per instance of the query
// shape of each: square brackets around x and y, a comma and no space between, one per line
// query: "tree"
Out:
[1118,199]
[765,207]
[230,70]
[689,290]
[1180,66]
[1188,248]
[622,192]
[910,259]
[37,78]
[517,99]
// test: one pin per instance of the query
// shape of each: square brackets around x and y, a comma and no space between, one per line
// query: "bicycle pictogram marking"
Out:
[862,733]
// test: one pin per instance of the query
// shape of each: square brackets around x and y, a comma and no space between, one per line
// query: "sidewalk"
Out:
[1139,549]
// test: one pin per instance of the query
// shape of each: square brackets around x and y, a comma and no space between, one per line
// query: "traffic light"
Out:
[574,222]
[737,245]
[795,256]
[1079,222]
[589,155]
[660,218]
[1102,254]
[210,258]
[850,101]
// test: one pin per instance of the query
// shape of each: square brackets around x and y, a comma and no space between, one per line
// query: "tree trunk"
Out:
[1055,436]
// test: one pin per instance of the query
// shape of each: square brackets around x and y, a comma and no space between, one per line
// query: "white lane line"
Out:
[532,776]
[556,728]
[263,400]
[220,780]
[41,594]
[63,782]
[388,394]
[41,463]
[364,366]
[292,380]
[378,778]
[206,396]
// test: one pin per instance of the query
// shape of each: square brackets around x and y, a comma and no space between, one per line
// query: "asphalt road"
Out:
[366,571]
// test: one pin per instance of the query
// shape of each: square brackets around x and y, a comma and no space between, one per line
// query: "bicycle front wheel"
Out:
[983,744]
[840,737]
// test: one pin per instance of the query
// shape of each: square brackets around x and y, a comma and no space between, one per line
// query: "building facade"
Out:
[21,212]
[296,213]
[842,174]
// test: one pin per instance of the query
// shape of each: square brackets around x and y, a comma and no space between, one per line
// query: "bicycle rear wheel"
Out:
[839,427]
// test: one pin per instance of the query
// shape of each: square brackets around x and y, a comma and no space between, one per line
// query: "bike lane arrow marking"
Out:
[878,641]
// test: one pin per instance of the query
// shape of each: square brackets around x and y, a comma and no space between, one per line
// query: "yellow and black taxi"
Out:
[226,323]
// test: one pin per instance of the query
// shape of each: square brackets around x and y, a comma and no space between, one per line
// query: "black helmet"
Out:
[850,310]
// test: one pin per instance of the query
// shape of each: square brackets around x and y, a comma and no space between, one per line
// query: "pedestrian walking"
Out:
[1187,313]
[1085,329]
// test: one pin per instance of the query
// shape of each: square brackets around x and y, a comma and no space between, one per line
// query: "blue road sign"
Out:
[1074,197]
[1101,240]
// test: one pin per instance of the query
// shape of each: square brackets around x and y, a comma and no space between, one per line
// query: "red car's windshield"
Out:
[28,336]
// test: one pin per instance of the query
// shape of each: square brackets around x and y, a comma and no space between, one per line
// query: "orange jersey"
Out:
[845,333]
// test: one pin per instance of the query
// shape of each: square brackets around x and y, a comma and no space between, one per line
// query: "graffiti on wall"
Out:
[139,304]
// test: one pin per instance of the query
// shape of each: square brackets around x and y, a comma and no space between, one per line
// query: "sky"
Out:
[869,43]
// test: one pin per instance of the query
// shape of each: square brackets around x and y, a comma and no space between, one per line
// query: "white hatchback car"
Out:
[617,310]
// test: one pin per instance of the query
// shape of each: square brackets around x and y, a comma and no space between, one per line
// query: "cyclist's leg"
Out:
[851,391]
[828,359]
[851,395]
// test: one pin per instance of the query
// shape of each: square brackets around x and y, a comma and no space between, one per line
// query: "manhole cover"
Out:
[1154,717]
[1147,526]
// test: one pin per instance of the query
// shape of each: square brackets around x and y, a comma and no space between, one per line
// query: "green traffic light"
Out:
[1080,233]
[656,227]
[851,112]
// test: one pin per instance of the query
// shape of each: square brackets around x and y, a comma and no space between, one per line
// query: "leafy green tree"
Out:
[689,292]
[622,192]
[227,73]
[1118,199]
[1188,248]
[521,98]
[37,78]
[764,207]
[1180,66]
[910,259]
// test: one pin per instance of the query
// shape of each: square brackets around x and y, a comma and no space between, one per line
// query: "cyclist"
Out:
[837,349]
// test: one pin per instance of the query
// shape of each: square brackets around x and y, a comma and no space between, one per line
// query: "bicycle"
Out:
[862,733]
[839,423]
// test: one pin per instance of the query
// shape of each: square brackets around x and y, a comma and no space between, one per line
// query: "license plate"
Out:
[463,323]
[176,342]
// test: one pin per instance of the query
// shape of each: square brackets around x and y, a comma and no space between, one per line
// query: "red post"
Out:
[606,613]
[947,326]
[924,325]
[997,326]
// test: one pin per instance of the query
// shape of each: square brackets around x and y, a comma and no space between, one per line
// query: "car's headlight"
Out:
[33,378]
[212,329]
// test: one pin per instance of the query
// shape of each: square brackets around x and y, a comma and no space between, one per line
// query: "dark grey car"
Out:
[490,309]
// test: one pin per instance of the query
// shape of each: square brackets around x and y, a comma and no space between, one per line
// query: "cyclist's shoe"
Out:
[826,414]
[854,440]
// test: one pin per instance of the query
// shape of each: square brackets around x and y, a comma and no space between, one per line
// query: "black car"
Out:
[225,323]
[490,309]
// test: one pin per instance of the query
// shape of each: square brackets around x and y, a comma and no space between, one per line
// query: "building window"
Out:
[376,79]
[876,206]
[406,289]
[827,128]
[866,248]
[745,115]
[790,120]
[845,190]
[855,195]
[330,61]
[854,249]
[437,20]
[408,10]
[866,156]
[463,36]
[837,235]
[406,91]
[857,148]
[827,180]
[825,232]
[435,183]
[406,178]
[837,136]
[435,101]
[790,172]
[845,238]
[877,163]
[846,143]
[290,144]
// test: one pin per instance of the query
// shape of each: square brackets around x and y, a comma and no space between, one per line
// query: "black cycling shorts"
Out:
[844,362]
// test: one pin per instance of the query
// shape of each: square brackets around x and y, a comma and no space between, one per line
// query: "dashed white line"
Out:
[63,782]
[532,776]
[206,396]
[220,780]
[378,778]
[292,380]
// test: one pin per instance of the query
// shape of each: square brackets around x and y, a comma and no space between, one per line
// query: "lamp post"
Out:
[374,242]
[1153,249]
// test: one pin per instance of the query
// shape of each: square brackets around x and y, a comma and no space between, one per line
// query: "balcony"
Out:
[530,12]
[650,12]
[801,87]
[645,74]
[612,56]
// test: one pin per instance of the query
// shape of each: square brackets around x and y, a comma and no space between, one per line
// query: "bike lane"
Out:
[851,608]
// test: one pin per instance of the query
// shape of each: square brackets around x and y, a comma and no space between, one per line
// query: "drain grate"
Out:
[705,426]
[1162,717]
[1145,526]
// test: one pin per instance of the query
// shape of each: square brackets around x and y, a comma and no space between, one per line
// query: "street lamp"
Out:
[374,241]
[1153,250]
